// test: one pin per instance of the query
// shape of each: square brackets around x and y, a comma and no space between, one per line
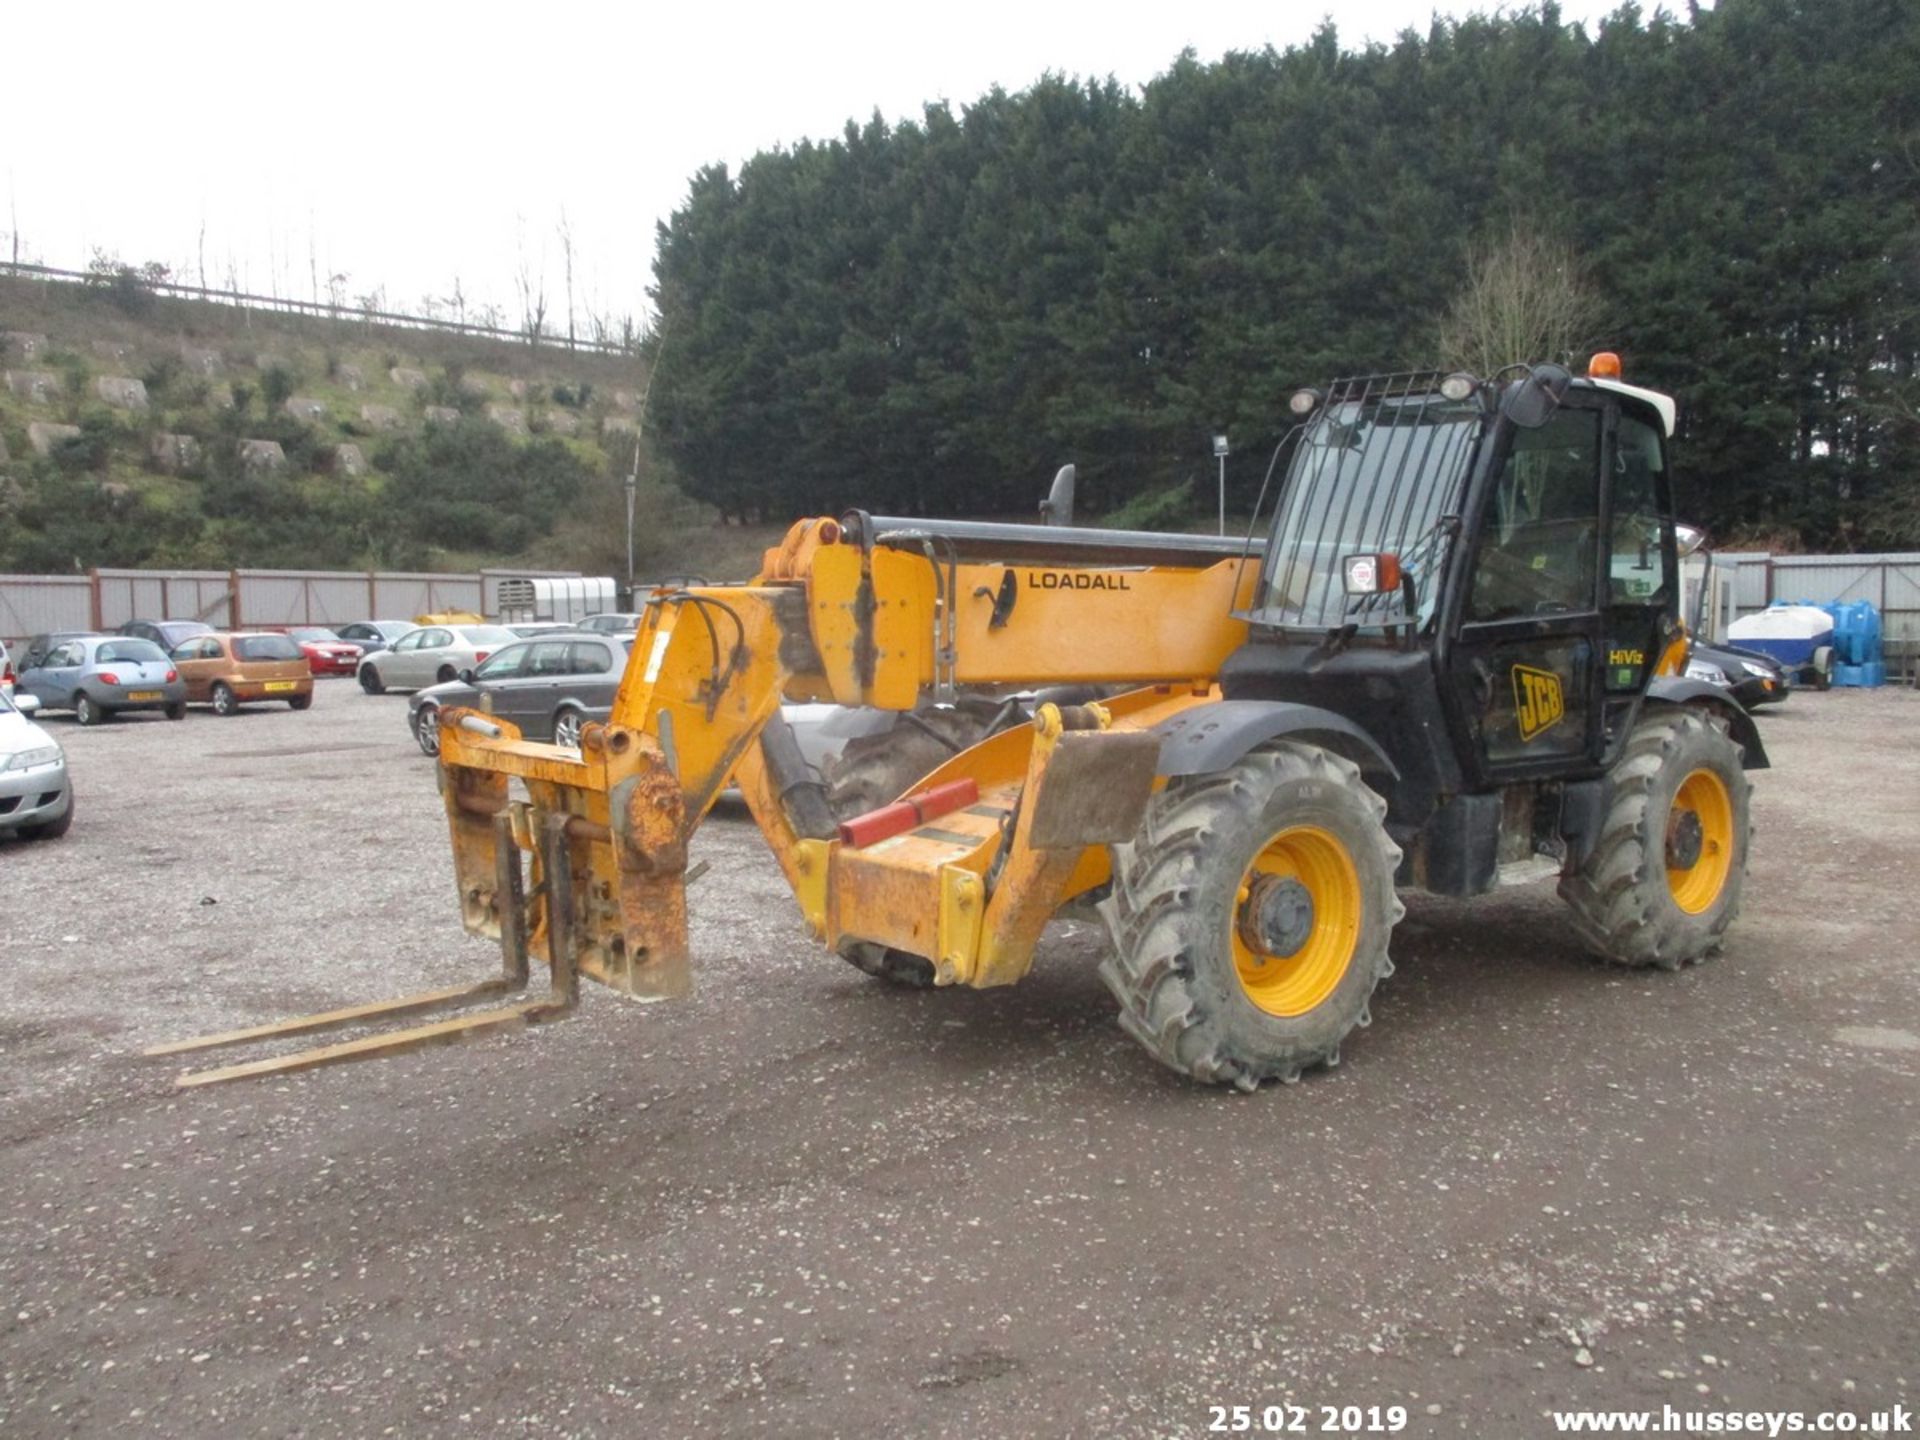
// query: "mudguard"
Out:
[1211,737]
[1678,690]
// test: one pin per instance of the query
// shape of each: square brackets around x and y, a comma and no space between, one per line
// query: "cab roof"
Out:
[1663,404]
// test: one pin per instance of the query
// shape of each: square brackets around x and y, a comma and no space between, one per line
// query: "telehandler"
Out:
[1455,661]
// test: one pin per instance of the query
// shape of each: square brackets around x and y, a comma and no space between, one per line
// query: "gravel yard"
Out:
[808,1204]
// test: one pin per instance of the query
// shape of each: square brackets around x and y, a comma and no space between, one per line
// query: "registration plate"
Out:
[274,687]
[143,695]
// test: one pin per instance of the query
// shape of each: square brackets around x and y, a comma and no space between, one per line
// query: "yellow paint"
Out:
[1294,984]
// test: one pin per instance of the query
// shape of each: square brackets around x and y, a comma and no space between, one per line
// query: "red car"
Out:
[326,652]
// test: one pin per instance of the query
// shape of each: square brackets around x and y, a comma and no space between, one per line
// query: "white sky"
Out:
[404,144]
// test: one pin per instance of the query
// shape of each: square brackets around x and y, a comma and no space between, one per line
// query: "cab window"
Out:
[1539,535]
[1642,537]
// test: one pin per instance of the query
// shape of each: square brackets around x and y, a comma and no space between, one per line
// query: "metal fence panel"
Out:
[164,595]
[36,604]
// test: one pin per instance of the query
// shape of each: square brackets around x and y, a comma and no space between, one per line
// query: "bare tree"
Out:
[532,290]
[1527,297]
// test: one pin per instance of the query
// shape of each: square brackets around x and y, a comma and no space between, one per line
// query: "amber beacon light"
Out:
[1605,365]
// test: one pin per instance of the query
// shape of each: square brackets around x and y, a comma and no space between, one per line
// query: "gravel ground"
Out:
[809,1204]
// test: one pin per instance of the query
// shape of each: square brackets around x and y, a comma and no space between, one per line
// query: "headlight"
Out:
[1701,670]
[1752,669]
[28,759]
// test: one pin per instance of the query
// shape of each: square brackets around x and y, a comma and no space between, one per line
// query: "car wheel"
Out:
[300,702]
[51,829]
[566,727]
[225,702]
[426,729]
[177,710]
[447,672]
[86,710]
[370,680]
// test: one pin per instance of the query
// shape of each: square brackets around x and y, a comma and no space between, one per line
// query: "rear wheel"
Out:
[177,710]
[1250,917]
[566,727]
[882,963]
[426,729]
[87,710]
[1664,880]
[446,673]
[300,702]
[225,702]
[875,770]
[370,680]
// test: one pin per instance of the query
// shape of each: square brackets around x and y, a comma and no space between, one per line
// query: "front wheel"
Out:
[566,727]
[370,680]
[1250,916]
[1663,882]
[225,702]
[86,710]
[426,730]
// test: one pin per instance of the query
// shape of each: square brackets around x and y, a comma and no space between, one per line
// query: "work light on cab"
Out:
[1376,574]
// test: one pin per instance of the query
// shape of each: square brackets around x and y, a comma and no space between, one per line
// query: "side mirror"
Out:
[1689,539]
[26,704]
[467,675]
[1057,508]
[1532,403]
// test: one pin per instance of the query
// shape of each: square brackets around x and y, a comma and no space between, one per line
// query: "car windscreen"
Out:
[178,630]
[130,652]
[265,647]
[487,634]
[313,635]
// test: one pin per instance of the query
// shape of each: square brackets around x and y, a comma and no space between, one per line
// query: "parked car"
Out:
[372,635]
[1749,676]
[36,797]
[6,671]
[39,645]
[326,652]
[166,633]
[431,655]
[612,622]
[228,671]
[548,687]
[97,676]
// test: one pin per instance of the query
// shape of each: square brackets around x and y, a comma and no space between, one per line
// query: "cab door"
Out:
[1529,639]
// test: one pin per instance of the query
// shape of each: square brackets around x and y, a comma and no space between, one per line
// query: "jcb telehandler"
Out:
[1455,660]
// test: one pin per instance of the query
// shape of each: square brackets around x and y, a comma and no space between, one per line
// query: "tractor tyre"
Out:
[1664,880]
[1250,917]
[894,966]
[876,770]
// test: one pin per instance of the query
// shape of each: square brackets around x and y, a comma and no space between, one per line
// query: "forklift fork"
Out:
[511,904]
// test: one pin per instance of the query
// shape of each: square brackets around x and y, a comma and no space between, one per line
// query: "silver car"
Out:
[96,676]
[36,798]
[549,687]
[431,655]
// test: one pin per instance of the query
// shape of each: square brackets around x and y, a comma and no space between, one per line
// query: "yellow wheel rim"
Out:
[1699,841]
[1296,921]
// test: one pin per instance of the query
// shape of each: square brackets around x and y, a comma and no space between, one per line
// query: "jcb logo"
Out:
[1538,700]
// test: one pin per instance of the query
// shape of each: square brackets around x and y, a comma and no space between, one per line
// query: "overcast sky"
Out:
[405,145]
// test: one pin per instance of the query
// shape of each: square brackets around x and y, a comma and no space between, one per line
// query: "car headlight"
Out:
[1754,669]
[28,759]
[1701,670]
